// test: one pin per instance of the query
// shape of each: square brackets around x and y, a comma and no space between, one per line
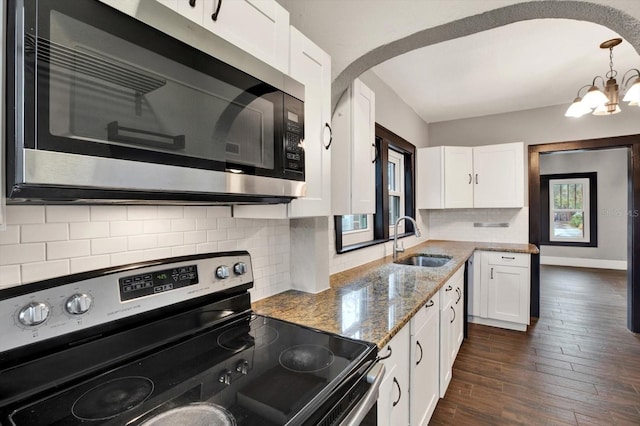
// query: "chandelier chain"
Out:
[612,73]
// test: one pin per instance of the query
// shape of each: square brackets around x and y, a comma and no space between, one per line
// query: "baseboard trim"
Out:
[497,323]
[584,263]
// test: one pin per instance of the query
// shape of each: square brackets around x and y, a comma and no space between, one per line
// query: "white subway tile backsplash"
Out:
[108,213]
[108,245]
[129,227]
[44,232]
[218,211]
[43,270]
[68,249]
[142,242]
[89,263]
[13,254]
[156,226]
[20,215]
[142,212]
[170,239]
[228,245]
[11,235]
[195,237]
[170,212]
[67,214]
[75,239]
[207,247]
[195,211]
[88,230]
[9,275]
[178,225]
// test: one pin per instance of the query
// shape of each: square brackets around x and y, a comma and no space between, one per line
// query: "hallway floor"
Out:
[577,365]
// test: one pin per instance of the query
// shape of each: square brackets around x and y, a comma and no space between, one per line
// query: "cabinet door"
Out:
[508,293]
[446,345]
[499,175]
[311,66]
[430,178]
[393,399]
[192,10]
[458,170]
[458,323]
[260,27]
[425,357]
[353,152]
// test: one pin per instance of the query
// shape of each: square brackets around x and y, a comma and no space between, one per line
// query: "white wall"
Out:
[42,242]
[611,166]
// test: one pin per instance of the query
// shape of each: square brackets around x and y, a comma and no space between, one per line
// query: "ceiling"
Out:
[525,65]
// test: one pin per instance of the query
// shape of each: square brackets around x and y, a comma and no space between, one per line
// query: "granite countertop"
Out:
[374,301]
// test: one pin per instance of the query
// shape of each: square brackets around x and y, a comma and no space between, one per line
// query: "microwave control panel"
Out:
[293,135]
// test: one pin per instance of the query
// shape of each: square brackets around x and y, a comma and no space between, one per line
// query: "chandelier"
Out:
[604,100]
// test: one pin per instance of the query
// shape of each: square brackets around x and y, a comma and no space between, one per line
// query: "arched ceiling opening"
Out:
[382,41]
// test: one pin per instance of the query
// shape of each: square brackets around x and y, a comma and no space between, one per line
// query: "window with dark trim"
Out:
[569,205]
[395,195]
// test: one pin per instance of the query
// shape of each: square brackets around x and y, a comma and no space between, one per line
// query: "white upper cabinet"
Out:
[259,27]
[499,175]
[464,177]
[311,66]
[354,152]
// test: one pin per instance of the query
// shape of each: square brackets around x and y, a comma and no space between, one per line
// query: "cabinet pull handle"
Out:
[214,16]
[509,257]
[476,178]
[470,179]
[326,125]
[421,353]
[429,304]
[491,273]
[388,354]
[192,3]
[459,294]
[399,392]
[454,315]
[448,288]
[377,152]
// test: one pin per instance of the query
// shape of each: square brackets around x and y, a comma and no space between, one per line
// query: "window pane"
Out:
[394,209]
[568,224]
[579,196]
[557,197]
[391,172]
[571,204]
[354,222]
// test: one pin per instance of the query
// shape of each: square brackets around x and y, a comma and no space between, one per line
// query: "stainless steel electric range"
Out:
[172,342]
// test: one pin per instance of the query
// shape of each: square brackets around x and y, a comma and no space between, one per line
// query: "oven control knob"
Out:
[225,377]
[222,272]
[34,313]
[240,268]
[242,366]
[78,304]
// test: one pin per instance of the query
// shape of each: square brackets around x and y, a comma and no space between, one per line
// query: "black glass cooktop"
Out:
[253,370]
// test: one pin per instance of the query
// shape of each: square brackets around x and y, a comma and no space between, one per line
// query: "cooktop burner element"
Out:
[112,398]
[242,337]
[193,414]
[306,358]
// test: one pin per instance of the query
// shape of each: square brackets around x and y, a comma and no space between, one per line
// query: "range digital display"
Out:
[149,283]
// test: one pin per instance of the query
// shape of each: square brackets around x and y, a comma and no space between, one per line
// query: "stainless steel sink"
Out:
[427,260]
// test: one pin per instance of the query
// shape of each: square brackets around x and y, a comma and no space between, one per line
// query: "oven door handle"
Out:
[374,376]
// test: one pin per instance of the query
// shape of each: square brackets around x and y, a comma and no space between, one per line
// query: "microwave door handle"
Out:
[358,413]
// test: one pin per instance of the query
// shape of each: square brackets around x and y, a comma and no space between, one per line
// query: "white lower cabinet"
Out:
[501,290]
[451,326]
[393,397]
[425,357]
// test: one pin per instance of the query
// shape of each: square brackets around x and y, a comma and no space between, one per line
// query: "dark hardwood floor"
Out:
[577,364]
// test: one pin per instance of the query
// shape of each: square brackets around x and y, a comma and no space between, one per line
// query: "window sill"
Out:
[371,243]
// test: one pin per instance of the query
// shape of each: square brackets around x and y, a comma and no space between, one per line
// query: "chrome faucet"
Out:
[399,249]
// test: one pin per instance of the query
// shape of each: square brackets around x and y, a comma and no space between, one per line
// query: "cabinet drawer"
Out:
[425,313]
[448,291]
[508,259]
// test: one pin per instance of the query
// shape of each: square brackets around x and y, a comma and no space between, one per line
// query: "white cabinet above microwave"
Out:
[490,176]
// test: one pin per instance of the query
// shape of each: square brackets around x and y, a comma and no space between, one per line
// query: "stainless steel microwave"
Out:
[103,106]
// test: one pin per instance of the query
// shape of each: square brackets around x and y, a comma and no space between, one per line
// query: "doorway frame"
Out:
[632,143]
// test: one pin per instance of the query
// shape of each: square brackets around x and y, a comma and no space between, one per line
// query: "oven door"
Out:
[365,412]
[101,85]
